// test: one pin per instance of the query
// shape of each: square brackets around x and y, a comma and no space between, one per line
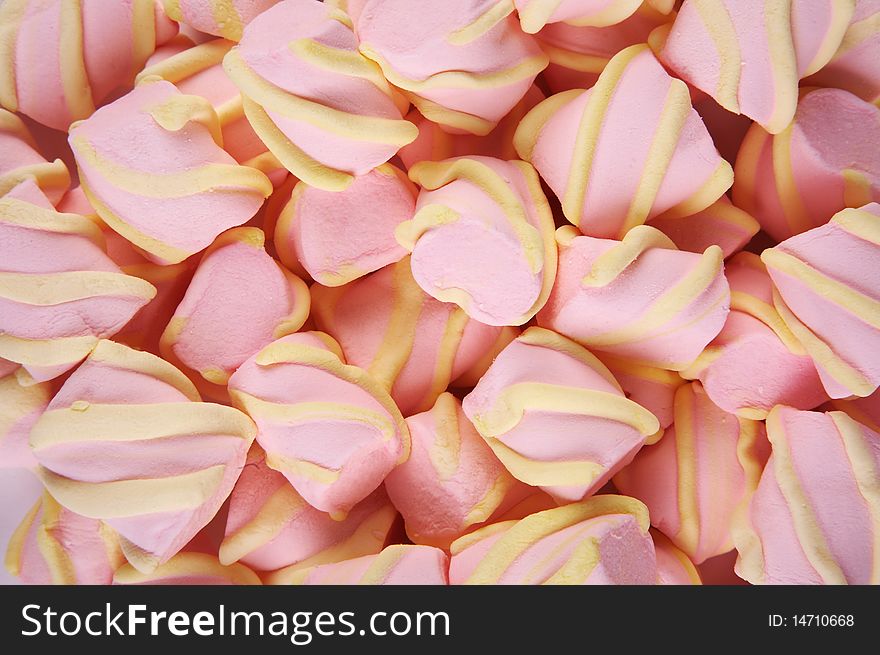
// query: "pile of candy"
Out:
[441,291]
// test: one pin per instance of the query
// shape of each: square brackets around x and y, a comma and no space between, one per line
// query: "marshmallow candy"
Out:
[56,546]
[188,569]
[603,540]
[755,362]
[828,296]
[482,237]
[226,18]
[625,151]
[329,427]
[451,481]
[396,565]
[62,58]
[463,63]
[20,160]
[556,417]
[308,230]
[827,159]
[814,516]
[855,66]
[323,109]
[239,300]
[271,527]
[638,299]
[59,292]
[411,343]
[749,56]
[126,440]
[699,473]
[151,166]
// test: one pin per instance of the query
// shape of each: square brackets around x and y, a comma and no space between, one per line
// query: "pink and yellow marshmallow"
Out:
[829,298]
[329,427]
[755,362]
[270,527]
[19,160]
[60,59]
[226,18]
[463,63]
[152,166]
[855,66]
[628,150]
[127,441]
[56,546]
[639,299]
[59,291]
[749,56]
[482,237]
[452,481]
[600,541]
[399,564]
[826,160]
[556,417]
[814,516]
[698,475]
[308,231]
[239,300]
[322,108]
[412,344]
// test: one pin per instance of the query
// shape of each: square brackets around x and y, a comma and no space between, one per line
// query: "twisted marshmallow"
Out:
[323,109]
[151,165]
[126,440]
[482,237]
[750,56]
[60,59]
[603,540]
[59,292]
[827,159]
[829,298]
[699,473]
[640,298]
[329,427]
[226,18]
[556,417]
[463,63]
[629,149]
[814,516]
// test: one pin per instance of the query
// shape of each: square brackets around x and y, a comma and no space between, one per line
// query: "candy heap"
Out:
[441,292]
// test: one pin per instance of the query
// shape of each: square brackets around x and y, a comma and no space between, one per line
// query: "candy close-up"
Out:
[447,292]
